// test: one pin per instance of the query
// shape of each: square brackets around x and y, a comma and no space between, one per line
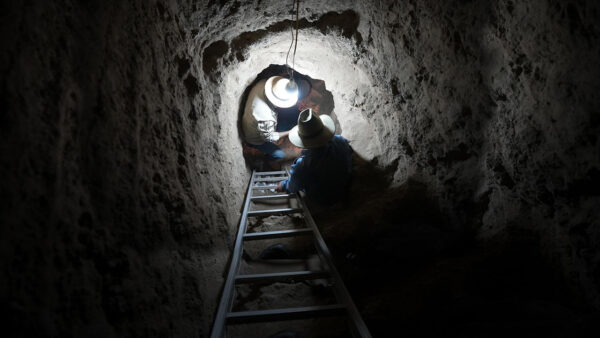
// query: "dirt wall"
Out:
[122,168]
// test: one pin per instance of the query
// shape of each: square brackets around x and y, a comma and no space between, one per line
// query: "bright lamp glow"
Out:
[286,90]
[292,88]
[283,93]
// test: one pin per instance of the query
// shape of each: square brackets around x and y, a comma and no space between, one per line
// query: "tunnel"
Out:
[473,209]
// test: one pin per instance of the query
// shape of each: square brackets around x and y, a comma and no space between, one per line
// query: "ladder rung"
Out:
[285,314]
[274,211]
[280,276]
[276,234]
[270,179]
[264,187]
[272,197]
[264,173]
[345,304]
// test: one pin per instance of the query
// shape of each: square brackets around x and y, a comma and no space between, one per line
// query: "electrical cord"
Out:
[293,43]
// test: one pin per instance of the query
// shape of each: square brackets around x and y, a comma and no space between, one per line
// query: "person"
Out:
[324,169]
[260,121]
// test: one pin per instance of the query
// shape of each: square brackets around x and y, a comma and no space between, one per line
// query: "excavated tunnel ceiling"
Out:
[477,173]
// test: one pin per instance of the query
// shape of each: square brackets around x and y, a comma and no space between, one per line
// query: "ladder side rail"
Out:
[358,324]
[228,290]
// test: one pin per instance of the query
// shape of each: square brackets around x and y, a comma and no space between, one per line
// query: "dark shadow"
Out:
[404,220]
[406,267]
[313,94]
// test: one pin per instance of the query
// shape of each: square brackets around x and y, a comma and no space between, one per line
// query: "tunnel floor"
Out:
[299,254]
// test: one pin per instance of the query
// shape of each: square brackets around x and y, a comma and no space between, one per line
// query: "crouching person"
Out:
[260,123]
[324,169]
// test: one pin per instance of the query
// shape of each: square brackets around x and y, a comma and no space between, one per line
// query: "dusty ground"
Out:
[284,295]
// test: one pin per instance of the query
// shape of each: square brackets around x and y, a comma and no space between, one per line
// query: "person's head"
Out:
[312,131]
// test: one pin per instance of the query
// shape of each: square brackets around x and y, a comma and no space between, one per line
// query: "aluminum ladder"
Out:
[344,304]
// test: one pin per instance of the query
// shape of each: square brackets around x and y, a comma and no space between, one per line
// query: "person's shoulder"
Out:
[341,144]
[298,163]
[340,139]
[300,159]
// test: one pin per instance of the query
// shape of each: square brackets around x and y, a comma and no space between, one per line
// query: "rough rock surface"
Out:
[476,124]
[118,195]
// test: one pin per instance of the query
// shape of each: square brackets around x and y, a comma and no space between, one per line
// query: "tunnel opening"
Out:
[313,94]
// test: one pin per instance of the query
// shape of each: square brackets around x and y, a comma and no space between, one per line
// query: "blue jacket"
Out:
[323,173]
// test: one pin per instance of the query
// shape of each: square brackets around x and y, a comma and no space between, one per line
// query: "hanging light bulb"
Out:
[292,88]
[281,92]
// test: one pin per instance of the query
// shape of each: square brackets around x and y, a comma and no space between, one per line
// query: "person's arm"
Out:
[267,132]
[296,180]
